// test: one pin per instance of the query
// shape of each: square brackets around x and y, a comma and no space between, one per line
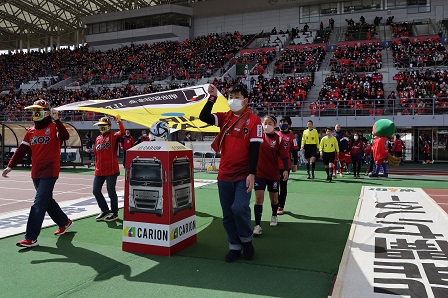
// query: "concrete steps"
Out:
[385,34]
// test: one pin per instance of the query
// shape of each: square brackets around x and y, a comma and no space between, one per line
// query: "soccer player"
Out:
[289,141]
[339,134]
[271,150]
[356,152]
[44,141]
[327,147]
[310,142]
[427,152]
[344,157]
[88,145]
[398,147]
[106,168]
[238,141]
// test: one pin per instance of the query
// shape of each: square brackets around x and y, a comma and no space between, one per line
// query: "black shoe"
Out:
[309,177]
[373,174]
[312,175]
[248,250]
[102,216]
[111,217]
[232,256]
[328,178]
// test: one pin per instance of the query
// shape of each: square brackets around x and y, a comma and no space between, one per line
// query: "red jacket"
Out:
[127,142]
[105,150]
[379,148]
[357,147]
[398,146]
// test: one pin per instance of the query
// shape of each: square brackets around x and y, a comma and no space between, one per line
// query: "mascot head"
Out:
[383,128]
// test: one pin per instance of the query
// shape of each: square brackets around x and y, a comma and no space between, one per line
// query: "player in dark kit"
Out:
[271,150]
[357,148]
[289,141]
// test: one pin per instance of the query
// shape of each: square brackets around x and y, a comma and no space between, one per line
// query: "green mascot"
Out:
[381,130]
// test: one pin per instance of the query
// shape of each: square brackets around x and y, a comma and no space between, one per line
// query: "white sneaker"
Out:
[258,230]
[273,221]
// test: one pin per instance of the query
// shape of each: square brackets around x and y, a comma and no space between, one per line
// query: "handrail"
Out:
[366,107]
[324,108]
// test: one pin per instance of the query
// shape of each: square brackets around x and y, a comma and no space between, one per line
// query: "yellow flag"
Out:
[180,108]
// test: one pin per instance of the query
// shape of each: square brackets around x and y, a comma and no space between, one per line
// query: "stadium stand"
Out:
[294,60]
[354,84]
[363,58]
[419,53]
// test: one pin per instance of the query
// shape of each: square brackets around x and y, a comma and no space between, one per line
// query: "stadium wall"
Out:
[117,39]
[253,16]
[367,121]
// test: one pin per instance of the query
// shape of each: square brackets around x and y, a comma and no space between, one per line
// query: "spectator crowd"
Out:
[354,82]
[419,53]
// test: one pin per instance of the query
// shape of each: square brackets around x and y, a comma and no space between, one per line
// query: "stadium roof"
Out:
[35,23]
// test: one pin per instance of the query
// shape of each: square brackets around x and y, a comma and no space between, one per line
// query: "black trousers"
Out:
[283,190]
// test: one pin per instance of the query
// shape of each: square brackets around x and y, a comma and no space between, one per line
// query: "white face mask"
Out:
[235,104]
[268,128]
[356,138]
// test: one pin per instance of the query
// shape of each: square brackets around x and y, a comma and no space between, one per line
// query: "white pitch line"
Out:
[84,177]
[77,184]
[13,200]
[80,193]
[63,179]
[10,203]
[55,191]
[438,195]
[15,188]
[16,181]
[74,184]
[77,191]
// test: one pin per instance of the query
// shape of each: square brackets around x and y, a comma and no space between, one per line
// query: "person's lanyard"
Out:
[226,130]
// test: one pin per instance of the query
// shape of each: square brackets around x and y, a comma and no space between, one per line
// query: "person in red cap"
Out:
[44,141]
[106,168]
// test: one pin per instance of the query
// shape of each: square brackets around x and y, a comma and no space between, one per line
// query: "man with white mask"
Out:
[238,141]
